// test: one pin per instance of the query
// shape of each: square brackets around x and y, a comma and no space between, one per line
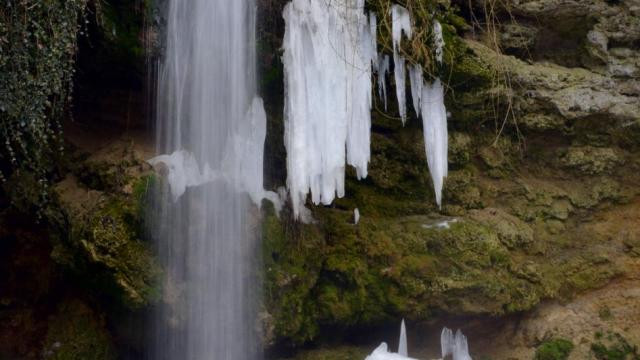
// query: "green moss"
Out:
[101,175]
[468,71]
[111,242]
[460,189]
[77,333]
[604,313]
[460,149]
[554,349]
[614,346]
[346,275]
[103,243]
[590,160]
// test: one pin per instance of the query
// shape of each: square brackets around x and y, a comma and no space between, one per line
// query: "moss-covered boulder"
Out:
[105,244]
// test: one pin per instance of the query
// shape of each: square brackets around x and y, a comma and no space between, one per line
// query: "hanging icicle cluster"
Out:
[428,102]
[330,54]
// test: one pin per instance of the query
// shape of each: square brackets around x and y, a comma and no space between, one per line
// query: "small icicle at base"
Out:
[382,351]
[402,343]
[454,346]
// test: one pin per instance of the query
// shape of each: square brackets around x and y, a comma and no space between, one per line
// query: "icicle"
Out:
[400,22]
[328,52]
[434,120]
[383,70]
[356,216]
[438,40]
[373,32]
[402,343]
[415,75]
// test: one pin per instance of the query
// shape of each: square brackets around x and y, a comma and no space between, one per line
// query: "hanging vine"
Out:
[37,50]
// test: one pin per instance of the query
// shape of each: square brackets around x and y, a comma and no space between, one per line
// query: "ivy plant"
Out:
[37,52]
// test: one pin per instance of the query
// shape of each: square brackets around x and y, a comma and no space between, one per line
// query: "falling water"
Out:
[206,240]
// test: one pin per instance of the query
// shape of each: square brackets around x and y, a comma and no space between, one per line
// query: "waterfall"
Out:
[210,121]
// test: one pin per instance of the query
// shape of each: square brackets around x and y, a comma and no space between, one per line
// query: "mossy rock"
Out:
[460,149]
[76,332]
[105,239]
[554,349]
[460,189]
[613,346]
[590,160]
[111,237]
[338,274]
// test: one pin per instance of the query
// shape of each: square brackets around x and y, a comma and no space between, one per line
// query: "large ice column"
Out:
[400,22]
[328,52]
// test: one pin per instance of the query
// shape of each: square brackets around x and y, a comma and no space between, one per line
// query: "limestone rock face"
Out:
[544,141]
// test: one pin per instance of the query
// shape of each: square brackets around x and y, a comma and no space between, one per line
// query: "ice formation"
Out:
[244,163]
[454,346]
[182,171]
[434,122]
[247,143]
[400,22]
[383,70]
[382,351]
[451,345]
[428,102]
[415,76]
[402,343]
[428,98]
[328,53]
